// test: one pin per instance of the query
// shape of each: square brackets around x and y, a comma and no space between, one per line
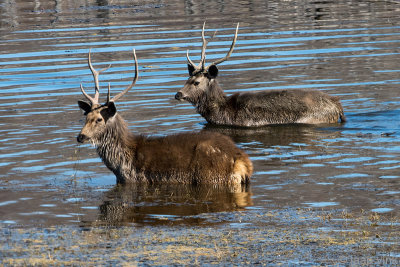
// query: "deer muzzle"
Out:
[81,138]
[179,96]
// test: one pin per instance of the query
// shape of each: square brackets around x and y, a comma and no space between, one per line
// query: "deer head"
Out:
[201,75]
[97,115]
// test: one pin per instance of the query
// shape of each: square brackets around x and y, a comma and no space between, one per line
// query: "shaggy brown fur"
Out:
[188,158]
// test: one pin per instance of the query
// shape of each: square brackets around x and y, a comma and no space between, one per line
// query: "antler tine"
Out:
[189,60]
[203,52]
[96,77]
[118,96]
[203,49]
[108,93]
[92,100]
[201,65]
[230,50]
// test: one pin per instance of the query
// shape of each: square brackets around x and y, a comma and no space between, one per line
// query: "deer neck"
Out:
[212,105]
[116,148]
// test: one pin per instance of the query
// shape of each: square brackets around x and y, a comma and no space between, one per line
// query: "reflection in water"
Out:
[277,135]
[103,12]
[169,204]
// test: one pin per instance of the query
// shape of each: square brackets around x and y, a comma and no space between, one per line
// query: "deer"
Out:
[252,109]
[183,158]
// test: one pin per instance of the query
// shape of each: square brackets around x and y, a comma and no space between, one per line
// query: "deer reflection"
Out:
[277,135]
[170,204]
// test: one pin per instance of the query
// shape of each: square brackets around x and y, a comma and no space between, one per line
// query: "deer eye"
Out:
[196,83]
[99,120]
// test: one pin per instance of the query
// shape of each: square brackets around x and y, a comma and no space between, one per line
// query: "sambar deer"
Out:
[253,108]
[187,158]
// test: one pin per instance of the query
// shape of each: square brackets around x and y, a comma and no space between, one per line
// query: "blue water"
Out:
[340,166]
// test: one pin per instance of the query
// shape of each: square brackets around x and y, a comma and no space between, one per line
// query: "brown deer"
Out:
[187,158]
[253,108]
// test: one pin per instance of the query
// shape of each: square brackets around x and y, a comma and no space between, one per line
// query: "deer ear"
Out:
[110,111]
[84,106]
[191,69]
[212,71]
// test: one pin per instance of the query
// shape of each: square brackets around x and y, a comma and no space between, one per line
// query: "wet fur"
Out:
[188,158]
[259,108]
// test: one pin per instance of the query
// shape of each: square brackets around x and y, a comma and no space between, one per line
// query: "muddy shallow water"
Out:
[311,183]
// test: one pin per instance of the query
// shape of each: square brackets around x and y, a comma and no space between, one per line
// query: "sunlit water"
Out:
[346,49]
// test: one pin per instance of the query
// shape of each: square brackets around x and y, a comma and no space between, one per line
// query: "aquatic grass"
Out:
[306,236]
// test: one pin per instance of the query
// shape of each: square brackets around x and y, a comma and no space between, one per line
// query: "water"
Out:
[347,52]
[348,49]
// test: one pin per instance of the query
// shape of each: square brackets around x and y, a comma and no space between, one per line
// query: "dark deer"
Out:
[187,158]
[253,108]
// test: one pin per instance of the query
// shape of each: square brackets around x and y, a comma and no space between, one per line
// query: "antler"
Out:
[203,49]
[201,66]
[230,50]
[88,97]
[94,100]
[203,52]
[118,96]
[96,76]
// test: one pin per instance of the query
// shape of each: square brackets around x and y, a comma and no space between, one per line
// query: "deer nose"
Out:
[179,96]
[81,138]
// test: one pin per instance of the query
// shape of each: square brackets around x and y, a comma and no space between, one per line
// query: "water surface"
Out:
[347,49]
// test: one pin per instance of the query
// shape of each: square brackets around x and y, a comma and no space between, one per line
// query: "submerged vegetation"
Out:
[294,236]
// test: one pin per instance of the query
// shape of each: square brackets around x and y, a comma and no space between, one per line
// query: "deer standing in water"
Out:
[253,108]
[187,158]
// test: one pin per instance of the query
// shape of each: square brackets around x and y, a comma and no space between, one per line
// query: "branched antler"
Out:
[95,100]
[201,67]
[118,96]
[96,77]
